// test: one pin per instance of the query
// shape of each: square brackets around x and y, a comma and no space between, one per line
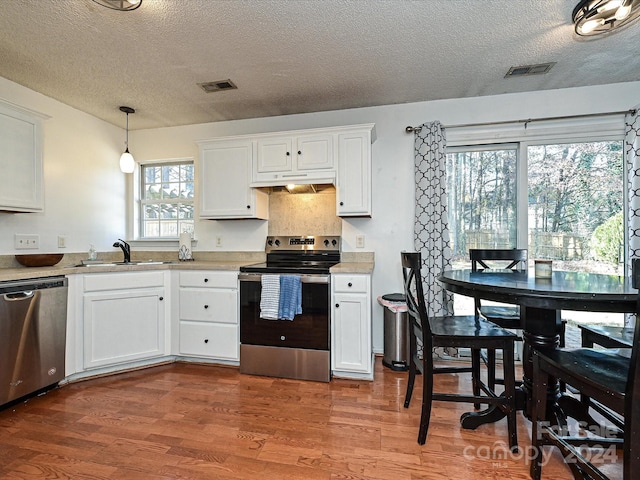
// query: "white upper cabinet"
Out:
[353,192]
[224,174]
[288,157]
[21,159]
[232,169]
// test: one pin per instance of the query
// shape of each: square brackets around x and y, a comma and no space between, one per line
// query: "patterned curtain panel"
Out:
[431,231]
[632,156]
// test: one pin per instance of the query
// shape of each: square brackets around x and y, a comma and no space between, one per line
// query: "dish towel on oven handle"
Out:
[290,297]
[270,297]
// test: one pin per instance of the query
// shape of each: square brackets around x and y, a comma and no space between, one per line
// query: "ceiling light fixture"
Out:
[122,5]
[127,162]
[595,17]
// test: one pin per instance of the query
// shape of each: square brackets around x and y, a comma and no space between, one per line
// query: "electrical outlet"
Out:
[24,242]
[219,241]
[62,241]
[359,241]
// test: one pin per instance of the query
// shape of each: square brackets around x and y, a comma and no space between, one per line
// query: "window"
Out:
[575,205]
[166,199]
[572,212]
[482,201]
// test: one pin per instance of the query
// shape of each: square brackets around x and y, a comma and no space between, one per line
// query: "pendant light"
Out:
[127,163]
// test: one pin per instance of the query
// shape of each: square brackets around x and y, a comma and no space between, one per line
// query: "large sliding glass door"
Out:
[562,201]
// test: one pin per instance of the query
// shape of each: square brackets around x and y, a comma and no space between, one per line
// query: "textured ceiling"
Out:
[295,56]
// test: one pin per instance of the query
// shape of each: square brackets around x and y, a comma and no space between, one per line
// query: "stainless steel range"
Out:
[297,348]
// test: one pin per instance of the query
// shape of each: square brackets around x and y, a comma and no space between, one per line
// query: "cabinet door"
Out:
[20,160]
[224,175]
[123,326]
[353,193]
[351,338]
[274,155]
[314,152]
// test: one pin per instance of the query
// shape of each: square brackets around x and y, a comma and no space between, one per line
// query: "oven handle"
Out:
[304,278]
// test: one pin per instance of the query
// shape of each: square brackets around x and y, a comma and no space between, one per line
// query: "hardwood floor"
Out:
[186,421]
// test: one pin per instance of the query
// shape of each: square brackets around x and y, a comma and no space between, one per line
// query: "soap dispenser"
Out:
[92,253]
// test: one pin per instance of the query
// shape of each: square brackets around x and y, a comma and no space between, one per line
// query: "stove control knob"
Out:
[326,243]
[334,242]
[270,242]
[277,242]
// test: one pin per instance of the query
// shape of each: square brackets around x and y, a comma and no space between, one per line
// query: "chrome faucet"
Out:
[126,249]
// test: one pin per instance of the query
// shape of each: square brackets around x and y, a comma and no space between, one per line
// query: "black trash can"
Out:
[396,332]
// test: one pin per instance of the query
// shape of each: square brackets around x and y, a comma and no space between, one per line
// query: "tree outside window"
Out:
[575,205]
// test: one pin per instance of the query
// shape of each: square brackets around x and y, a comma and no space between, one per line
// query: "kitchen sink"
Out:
[111,264]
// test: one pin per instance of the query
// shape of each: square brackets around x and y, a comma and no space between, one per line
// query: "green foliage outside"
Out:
[607,239]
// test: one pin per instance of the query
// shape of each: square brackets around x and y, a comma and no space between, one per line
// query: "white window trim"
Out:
[134,224]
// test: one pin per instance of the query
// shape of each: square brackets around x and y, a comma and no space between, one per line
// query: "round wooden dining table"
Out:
[540,301]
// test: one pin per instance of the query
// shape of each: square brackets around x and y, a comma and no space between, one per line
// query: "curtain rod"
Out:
[632,111]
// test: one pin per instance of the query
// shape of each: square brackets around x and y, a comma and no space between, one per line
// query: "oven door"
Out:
[309,330]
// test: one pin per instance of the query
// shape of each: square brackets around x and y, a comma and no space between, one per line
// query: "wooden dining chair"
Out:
[468,331]
[609,377]
[606,336]
[515,259]
[505,316]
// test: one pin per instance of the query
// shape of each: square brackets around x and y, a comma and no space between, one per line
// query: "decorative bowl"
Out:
[39,259]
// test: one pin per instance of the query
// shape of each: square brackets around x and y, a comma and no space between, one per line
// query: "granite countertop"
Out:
[233,263]
[353,267]
[38,272]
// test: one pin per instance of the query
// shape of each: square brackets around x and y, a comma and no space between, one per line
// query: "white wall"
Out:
[85,191]
[84,188]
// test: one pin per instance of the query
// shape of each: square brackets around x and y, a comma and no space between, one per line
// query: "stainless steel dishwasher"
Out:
[33,320]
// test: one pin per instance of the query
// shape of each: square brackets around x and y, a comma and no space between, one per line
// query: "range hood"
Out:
[297,178]
[296,188]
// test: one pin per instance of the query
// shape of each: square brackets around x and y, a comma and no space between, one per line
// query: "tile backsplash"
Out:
[304,213]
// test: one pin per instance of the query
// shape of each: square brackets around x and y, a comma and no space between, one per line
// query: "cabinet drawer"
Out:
[209,305]
[351,283]
[209,340]
[209,279]
[123,281]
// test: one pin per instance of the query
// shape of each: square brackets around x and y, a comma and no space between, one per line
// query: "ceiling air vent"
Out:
[523,70]
[217,86]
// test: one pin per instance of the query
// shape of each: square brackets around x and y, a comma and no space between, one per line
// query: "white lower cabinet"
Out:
[351,342]
[124,318]
[208,311]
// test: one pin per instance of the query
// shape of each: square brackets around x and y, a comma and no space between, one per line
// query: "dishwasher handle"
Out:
[32,284]
[17,296]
